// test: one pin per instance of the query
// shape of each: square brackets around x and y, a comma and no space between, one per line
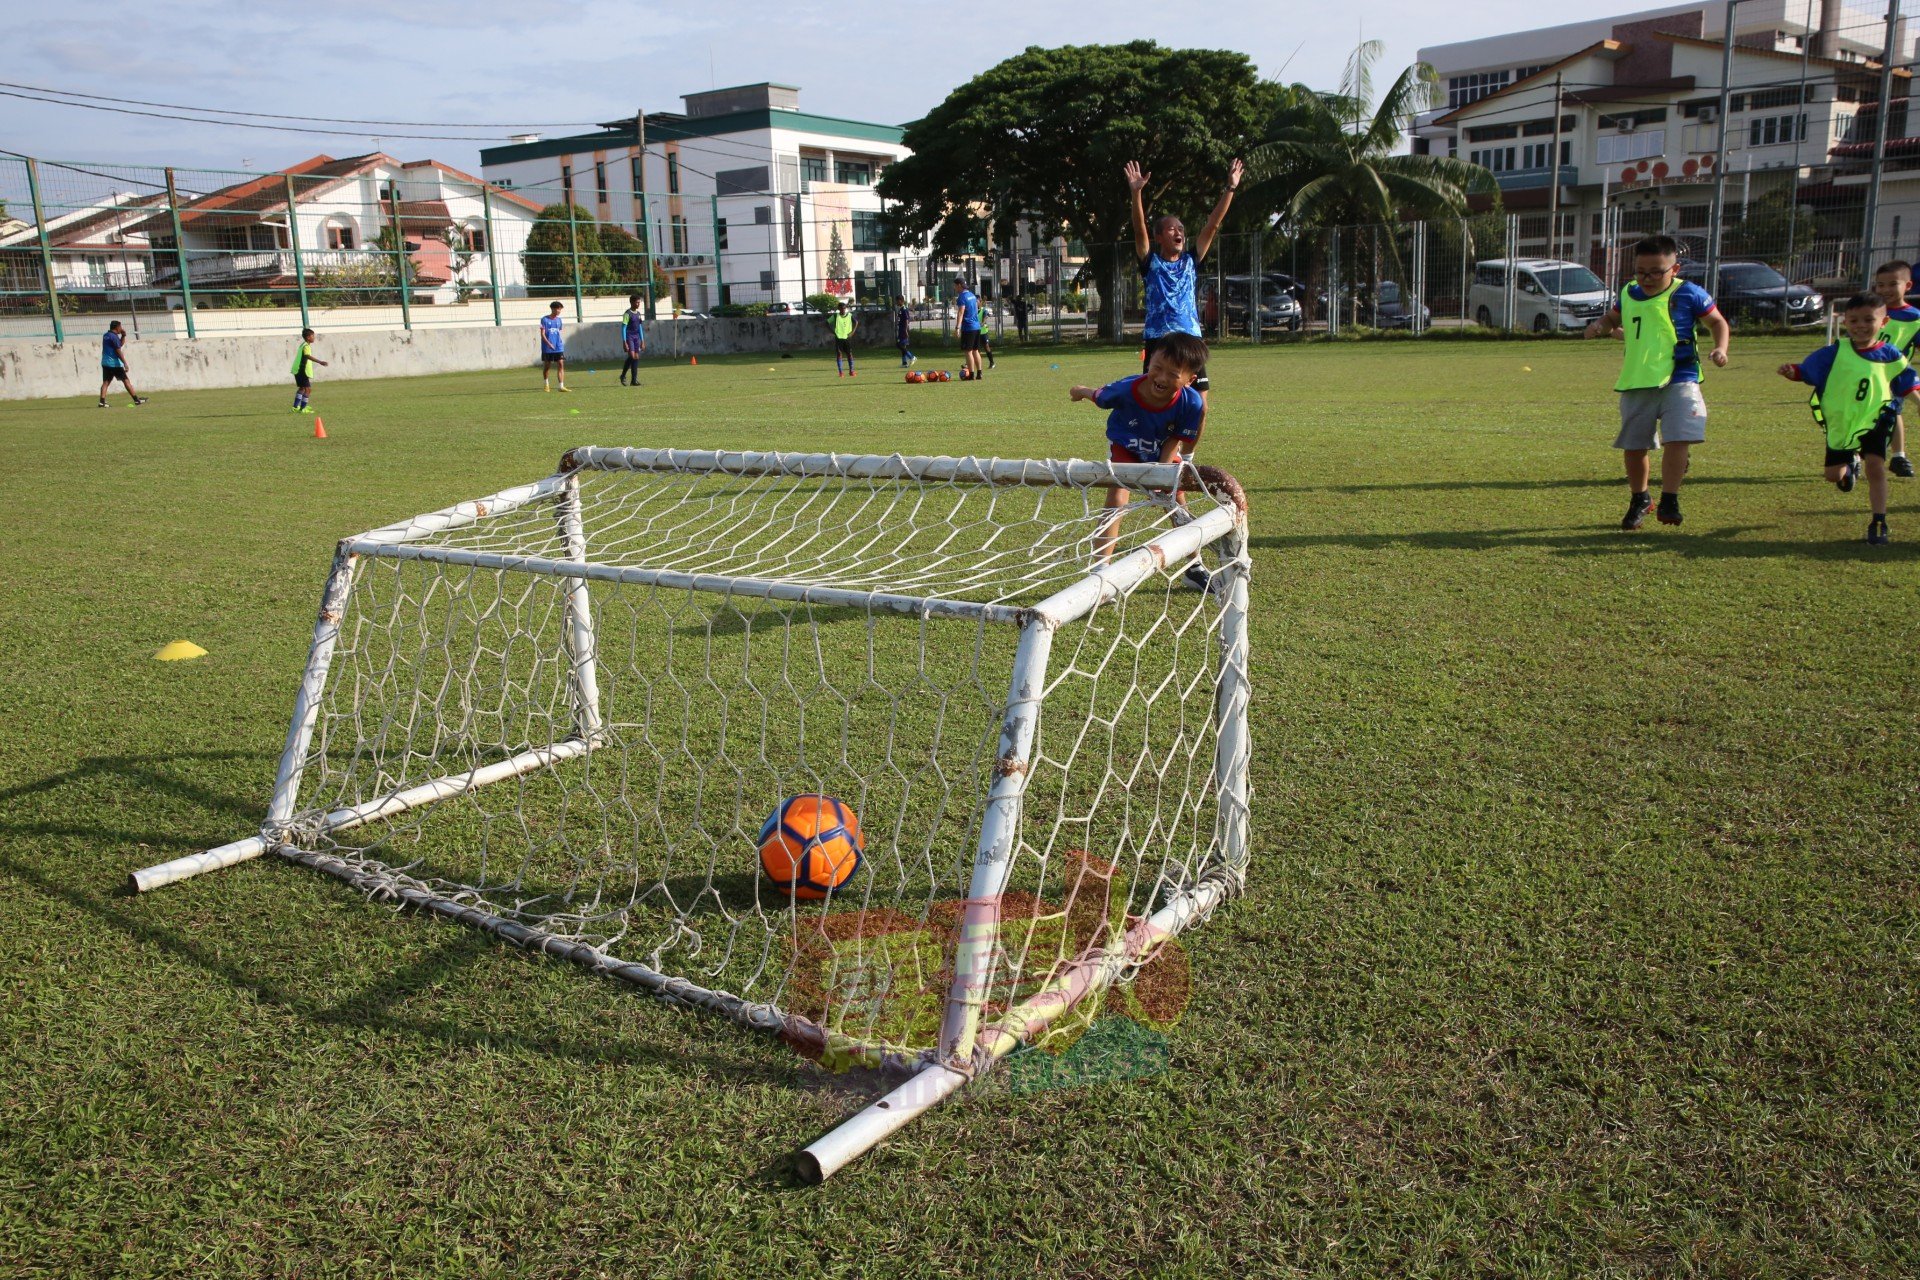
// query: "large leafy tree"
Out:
[1044,135]
[1328,159]
[549,255]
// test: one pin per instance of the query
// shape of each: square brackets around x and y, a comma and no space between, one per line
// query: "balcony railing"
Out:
[1531,179]
[215,266]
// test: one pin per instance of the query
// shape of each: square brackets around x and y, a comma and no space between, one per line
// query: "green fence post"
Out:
[180,252]
[573,243]
[46,249]
[719,274]
[493,263]
[400,256]
[299,267]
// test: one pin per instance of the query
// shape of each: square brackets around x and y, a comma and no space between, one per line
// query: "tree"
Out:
[1044,134]
[627,260]
[1328,158]
[549,255]
[1773,223]
[839,275]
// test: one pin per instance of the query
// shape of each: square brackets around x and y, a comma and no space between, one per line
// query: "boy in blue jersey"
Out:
[1873,379]
[113,363]
[903,332]
[1890,284]
[1172,273]
[967,306]
[553,348]
[1155,416]
[1659,385]
[633,337]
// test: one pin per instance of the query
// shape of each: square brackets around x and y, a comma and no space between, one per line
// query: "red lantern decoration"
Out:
[1690,168]
[1660,170]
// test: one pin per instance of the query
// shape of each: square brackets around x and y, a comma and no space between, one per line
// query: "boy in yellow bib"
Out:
[1659,384]
[1891,281]
[1858,385]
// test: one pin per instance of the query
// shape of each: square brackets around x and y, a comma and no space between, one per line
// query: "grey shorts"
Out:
[1676,413]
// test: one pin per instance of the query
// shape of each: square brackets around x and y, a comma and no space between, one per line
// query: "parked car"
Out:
[779,308]
[1747,290]
[1549,294]
[1279,303]
[1388,309]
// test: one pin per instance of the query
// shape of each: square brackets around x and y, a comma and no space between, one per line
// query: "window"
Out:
[866,232]
[857,172]
[637,174]
[673,172]
[600,180]
[720,233]
[1471,88]
[1652,115]
[387,194]
[474,238]
[566,182]
[812,169]
[1620,148]
[766,281]
[1644,221]
[1496,159]
[678,226]
[1693,217]
[1536,155]
[1768,130]
[230,238]
[763,215]
[1492,133]
[339,235]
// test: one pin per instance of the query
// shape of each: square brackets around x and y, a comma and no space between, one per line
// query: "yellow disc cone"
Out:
[180,650]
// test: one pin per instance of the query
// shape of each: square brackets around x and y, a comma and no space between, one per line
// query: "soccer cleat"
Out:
[912,361]
[1847,477]
[991,362]
[1198,578]
[1901,466]
[1637,507]
[139,399]
[546,386]
[1877,532]
[105,405]
[565,387]
[1669,512]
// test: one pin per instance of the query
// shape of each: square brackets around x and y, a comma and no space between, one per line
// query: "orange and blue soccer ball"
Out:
[811,845]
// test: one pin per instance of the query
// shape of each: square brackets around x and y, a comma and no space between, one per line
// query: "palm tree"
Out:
[1333,158]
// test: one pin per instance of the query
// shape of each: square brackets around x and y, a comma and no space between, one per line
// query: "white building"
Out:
[459,234]
[1634,114]
[740,198]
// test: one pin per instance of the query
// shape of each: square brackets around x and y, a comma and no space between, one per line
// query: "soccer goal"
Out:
[566,712]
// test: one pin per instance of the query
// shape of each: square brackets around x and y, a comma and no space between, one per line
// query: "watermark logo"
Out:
[884,978]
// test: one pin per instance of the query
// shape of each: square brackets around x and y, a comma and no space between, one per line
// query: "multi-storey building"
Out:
[742,197]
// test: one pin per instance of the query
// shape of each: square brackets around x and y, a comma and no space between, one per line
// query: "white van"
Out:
[1548,294]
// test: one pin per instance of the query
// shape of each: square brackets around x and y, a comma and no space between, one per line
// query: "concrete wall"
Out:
[34,369]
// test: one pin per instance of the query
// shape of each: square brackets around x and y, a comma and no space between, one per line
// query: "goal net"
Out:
[566,712]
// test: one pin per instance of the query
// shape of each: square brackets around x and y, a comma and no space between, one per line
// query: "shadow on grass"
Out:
[1726,542]
[369,1008]
[1516,486]
[730,620]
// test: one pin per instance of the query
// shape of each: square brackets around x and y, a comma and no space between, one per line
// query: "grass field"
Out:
[1580,938]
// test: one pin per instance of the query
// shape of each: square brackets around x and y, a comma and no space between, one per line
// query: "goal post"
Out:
[564,711]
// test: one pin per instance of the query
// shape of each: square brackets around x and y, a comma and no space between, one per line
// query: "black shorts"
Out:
[551,357]
[302,381]
[970,339]
[1873,445]
[843,347]
[109,373]
[1200,382]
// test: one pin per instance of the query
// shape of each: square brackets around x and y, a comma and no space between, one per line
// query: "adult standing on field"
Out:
[113,364]
[1172,271]
[967,306]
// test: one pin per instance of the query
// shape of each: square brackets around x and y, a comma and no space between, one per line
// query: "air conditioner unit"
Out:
[1709,114]
[1625,126]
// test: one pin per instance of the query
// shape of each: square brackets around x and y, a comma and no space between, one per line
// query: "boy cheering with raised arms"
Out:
[1172,271]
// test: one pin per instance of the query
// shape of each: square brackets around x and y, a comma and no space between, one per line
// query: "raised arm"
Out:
[1136,183]
[1219,214]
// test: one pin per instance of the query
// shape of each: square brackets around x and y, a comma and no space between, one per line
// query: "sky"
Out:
[499,64]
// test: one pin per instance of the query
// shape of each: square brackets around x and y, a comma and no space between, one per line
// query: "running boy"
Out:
[1155,416]
[553,347]
[633,337]
[1659,382]
[1172,273]
[842,340]
[903,332]
[303,362]
[1890,284]
[967,306]
[113,363]
[1870,378]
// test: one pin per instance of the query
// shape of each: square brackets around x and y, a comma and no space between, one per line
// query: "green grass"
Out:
[1580,938]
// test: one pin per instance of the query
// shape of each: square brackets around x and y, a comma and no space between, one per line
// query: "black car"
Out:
[1755,291]
[1279,302]
[1390,309]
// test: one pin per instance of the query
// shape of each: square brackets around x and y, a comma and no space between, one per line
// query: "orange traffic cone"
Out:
[319,428]
[693,359]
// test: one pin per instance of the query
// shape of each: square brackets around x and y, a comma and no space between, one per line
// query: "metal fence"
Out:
[373,244]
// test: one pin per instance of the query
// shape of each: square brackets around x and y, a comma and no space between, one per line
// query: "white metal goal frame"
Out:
[972,1034]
